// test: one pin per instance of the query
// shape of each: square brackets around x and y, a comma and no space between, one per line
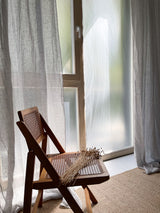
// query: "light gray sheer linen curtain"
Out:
[30,75]
[146,67]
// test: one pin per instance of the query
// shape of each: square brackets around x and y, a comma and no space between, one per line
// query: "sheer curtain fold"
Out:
[146,65]
[30,75]
[106,36]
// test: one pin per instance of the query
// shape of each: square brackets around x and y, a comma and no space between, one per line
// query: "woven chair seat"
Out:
[62,163]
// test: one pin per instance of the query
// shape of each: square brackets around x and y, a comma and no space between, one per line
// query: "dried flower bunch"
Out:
[84,158]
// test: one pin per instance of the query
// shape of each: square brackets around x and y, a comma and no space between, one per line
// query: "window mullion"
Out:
[77,80]
[78,29]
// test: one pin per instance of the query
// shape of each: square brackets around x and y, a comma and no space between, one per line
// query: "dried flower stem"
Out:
[85,157]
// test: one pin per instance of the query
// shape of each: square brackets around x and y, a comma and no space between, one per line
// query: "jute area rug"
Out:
[130,192]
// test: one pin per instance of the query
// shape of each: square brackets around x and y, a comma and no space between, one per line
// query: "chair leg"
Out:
[40,200]
[70,199]
[91,195]
[36,205]
[28,183]
[88,201]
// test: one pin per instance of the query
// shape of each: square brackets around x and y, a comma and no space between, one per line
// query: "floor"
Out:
[122,164]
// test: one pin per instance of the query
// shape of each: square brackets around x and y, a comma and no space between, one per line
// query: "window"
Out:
[107,74]
[104,75]
[70,32]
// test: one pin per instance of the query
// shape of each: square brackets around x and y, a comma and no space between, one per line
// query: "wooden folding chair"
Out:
[35,130]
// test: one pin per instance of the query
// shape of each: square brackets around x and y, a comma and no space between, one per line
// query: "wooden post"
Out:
[28,182]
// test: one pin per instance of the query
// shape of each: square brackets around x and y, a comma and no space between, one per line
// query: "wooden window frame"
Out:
[76,80]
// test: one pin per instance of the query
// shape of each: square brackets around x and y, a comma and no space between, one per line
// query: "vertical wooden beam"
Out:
[79,70]
[28,182]
[88,201]
[38,200]
[91,195]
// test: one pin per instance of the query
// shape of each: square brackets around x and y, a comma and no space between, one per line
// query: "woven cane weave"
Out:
[62,162]
[33,123]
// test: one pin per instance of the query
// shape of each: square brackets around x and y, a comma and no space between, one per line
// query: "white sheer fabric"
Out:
[106,33]
[146,64]
[30,75]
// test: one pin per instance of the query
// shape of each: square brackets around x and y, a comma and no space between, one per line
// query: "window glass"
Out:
[66,35]
[106,78]
[71,115]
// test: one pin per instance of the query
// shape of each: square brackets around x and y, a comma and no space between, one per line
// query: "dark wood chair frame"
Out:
[54,181]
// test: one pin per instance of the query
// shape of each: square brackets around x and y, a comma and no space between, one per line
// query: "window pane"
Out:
[106,77]
[65,25]
[71,115]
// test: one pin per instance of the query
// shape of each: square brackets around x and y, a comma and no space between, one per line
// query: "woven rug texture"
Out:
[130,192]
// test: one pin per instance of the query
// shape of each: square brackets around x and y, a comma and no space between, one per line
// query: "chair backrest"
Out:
[38,127]
[32,120]
[31,126]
